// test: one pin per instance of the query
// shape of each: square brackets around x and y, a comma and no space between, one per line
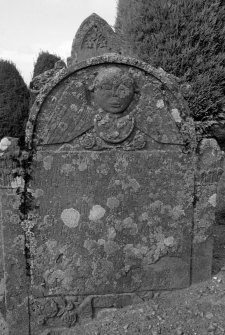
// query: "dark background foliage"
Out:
[45,61]
[185,38]
[14,101]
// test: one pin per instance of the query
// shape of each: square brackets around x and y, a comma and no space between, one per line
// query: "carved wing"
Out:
[64,115]
[154,117]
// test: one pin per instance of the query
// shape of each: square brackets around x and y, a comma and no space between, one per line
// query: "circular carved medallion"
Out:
[113,129]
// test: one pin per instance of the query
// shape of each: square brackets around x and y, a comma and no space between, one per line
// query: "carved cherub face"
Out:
[113,90]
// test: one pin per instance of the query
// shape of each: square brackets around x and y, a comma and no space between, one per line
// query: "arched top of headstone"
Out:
[94,37]
[146,100]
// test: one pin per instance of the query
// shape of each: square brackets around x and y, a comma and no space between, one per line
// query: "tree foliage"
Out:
[14,101]
[45,61]
[185,38]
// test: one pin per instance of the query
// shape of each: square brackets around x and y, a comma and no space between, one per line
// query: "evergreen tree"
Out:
[185,38]
[14,101]
[45,61]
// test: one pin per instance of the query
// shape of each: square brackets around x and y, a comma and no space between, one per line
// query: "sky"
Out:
[30,26]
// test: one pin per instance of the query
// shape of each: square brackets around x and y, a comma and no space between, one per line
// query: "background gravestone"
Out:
[14,282]
[209,162]
[94,37]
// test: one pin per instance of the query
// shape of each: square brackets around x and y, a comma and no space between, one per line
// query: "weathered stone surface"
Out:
[94,37]
[104,248]
[41,82]
[3,323]
[113,186]
[219,249]
[14,283]
[220,203]
[72,108]
[16,279]
[208,172]
[219,229]
[8,150]
[6,166]
[118,223]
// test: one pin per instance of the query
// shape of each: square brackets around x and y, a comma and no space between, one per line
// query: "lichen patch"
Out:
[212,200]
[96,213]
[176,115]
[4,144]
[70,217]
[113,202]
[169,241]
[160,103]
[47,161]
[17,182]
[110,247]
[111,233]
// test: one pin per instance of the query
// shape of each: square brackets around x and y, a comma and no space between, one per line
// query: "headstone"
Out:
[113,179]
[95,37]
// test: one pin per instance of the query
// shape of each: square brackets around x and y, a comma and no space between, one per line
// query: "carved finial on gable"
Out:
[94,37]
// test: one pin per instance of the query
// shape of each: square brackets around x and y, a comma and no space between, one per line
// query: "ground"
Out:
[198,310]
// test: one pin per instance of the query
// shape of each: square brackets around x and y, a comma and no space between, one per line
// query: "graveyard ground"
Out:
[198,310]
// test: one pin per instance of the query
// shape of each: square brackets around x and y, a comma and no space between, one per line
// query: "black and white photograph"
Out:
[112,167]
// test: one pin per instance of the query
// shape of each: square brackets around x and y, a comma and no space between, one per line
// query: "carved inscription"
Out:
[54,311]
[61,311]
[71,310]
[6,167]
[211,176]
[94,39]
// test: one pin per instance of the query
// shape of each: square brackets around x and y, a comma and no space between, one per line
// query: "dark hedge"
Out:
[185,38]
[45,61]
[14,101]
